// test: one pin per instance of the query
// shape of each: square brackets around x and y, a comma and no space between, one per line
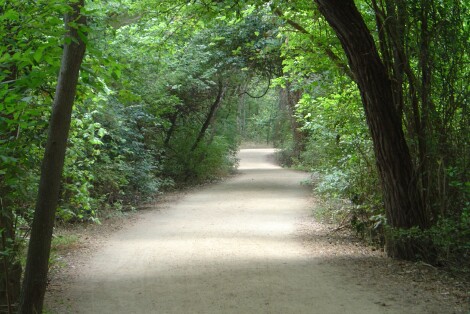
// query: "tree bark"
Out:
[171,130]
[288,100]
[241,110]
[35,280]
[210,115]
[403,204]
[424,63]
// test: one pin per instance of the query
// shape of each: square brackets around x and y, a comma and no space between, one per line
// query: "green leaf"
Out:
[5,57]
[117,72]
[11,15]
[38,54]
[102,132]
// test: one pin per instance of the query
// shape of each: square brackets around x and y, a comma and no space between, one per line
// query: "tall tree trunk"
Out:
[403,204]
[424,63]
[387,22]
[35,280]
[395,23]
[241,107]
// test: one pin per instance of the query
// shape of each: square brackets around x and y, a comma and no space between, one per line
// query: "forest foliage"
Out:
[167,91]
[424,47]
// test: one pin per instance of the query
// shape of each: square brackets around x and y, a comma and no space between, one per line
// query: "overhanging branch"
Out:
[262,95]
[344,68]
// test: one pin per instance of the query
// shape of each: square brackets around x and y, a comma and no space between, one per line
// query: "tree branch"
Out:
[344,68]
[262,95]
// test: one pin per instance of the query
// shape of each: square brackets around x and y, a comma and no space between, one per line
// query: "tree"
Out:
[210,116]
[403,203]
[35,280]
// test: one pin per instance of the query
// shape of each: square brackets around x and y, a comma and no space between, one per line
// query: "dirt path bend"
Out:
[233,247]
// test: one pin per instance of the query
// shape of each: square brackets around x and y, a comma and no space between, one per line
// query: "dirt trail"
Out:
[233,247]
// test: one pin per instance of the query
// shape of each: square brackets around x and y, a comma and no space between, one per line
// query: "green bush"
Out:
[207,162]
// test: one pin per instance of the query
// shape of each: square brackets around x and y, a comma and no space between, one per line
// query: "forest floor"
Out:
[248,244]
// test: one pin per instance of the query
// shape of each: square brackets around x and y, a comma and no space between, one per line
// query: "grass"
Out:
[61,244]
[64,242]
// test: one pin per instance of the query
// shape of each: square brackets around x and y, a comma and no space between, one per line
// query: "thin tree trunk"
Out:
[288,100]
[386,20]
[395,23]
[210,115]
[241,110]
[172,129]
[403,203]
[35,280]
[425,104]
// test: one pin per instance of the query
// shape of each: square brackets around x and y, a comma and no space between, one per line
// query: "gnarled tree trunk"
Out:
[403,203]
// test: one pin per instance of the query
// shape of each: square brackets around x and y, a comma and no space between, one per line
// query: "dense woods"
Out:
[369,96]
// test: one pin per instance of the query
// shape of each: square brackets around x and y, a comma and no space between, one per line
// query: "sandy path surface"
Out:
[233,247]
